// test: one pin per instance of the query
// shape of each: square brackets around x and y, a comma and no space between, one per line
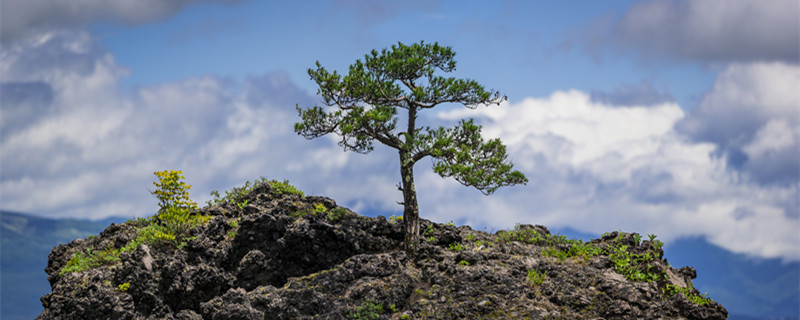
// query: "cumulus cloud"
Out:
[75,144]
[21,18]
[752,114]
[90,147]
[713,30]
[598,167]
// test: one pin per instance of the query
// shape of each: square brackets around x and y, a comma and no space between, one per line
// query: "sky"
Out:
[672,117]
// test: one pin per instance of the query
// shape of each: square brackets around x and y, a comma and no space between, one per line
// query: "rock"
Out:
[270,259]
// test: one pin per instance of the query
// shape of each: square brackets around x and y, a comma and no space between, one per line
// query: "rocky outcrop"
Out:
[293,257]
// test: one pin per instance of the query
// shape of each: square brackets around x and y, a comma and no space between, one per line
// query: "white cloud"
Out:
[593,166]
[94,145]
[24,18]
[710,30]
[598,167]
[750,113]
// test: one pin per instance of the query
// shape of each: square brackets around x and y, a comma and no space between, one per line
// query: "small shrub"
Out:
[463,263]
[635,267]
[242,204]
[431,239]
[429,230]
[171,191]
[456,247]
[656,243]
[124,287]
[319,208]
[637,238]
[367,311]
[236,195]
[688,292]
[555,253]
[535,278]
[284,188]
[395,219]
[470,237]
[337,214]
[405,317]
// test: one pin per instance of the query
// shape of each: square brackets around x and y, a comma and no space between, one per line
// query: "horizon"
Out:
[669,117]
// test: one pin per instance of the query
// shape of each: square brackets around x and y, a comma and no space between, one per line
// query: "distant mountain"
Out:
[25,242]
[750,288]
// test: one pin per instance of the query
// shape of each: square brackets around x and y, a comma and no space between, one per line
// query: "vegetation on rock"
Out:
[277,265]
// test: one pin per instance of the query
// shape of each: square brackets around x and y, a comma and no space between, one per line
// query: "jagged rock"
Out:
[269,259]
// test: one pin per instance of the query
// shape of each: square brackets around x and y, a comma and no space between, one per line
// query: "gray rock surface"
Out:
[274,263]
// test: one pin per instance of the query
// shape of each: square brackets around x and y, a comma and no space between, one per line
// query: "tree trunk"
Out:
[410,206]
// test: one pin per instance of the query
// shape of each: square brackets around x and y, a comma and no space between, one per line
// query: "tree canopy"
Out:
[365,105]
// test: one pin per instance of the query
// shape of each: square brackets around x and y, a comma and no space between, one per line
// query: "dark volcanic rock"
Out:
[279,258]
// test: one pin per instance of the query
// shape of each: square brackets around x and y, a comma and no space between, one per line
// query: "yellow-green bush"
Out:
[172,192]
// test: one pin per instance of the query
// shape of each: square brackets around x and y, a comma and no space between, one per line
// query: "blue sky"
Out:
[678,118]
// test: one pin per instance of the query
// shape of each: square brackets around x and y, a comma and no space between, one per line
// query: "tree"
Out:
[365,105]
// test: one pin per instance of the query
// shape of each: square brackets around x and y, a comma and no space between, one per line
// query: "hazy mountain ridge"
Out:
[25,242]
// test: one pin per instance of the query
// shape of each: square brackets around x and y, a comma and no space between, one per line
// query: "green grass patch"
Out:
[366,311]
[535,278]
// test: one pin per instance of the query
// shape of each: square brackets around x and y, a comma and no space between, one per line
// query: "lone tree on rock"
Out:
[365,105]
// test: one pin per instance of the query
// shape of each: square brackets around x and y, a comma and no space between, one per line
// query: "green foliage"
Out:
[284,188]
[530,236]
[124,287]
[179,221]
[637,238]
[555,253]
[451,223]
[698,299]
[170,226]
[431,239]
[85,260]
[172,192]
[456,247]
[656,243]
[463,263]
[536,278]
[242,204]
[365,105]
[470,237]
[428,230]
[319,208]
[405,317]
[395,219]
[235,195]
[337,214]
[367,311]
[635,267]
